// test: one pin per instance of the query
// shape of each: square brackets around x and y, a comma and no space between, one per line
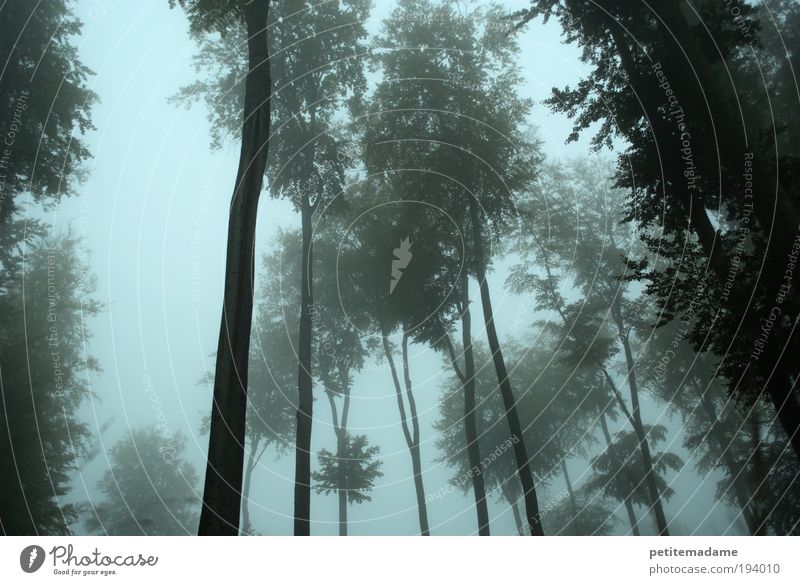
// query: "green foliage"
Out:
[316,63]
[149,489]
[45,101]
[354,470]
[47,296]
[447,123]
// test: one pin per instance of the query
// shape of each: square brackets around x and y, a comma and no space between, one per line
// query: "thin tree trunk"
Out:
[644,446]
[412,437]
[632,517]
[470,422]
[520,452]
[760,473]
[416,457]
[247,528]
[340,428]
[342,511]
[507,492]
[223,479]
[573,504]
[612,451]
[302,477]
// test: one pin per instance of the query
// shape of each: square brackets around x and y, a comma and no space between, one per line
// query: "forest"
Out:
[423,267]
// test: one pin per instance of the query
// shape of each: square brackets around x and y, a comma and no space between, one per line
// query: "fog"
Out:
[152,218]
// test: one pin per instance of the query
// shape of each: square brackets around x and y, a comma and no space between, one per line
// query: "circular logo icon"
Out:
[31,558]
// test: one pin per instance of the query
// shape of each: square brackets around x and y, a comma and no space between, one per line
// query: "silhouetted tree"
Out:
[223,478]
[620,474]
[350,472]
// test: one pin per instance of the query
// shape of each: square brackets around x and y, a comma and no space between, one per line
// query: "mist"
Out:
[450,215]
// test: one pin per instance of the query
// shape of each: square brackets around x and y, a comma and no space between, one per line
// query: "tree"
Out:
[223,478]
[623,477]
[712,177]
[339,353]
[350,472]
[46,296]
[467,379]
[149,489]
[272,401]
[586,237]
[376,301]
[448,107]
[316,67]
[46,104]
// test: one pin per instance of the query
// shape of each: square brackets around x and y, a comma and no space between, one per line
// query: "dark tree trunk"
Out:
[419,488]
[638,426]
[416,458]
[411,435]
[305,383]
[520,452]
[223,478]
[470,422]
[628,504]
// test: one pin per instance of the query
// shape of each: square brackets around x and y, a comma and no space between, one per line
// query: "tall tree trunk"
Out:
[411,436]
[638,426]
[247,527]
[612,451]
[512,502]
[470,422]
[223,478]
[520,452]
[305,383]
